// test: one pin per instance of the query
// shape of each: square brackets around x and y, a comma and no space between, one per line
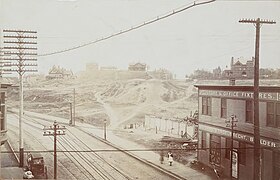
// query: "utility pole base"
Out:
[21,157]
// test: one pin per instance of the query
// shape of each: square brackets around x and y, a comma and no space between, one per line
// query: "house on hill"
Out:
[137,67]
[56,72]
[240,70]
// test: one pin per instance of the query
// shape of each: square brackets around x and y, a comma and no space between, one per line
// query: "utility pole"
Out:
[74,107]
[71,119]
[20,58]
[257,151]
[231,123]
[105,124]
[54,131]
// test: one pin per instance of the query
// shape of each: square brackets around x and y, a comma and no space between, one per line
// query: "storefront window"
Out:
[242,153]
[203,140]
[276,165]
[215,149]
[228,148]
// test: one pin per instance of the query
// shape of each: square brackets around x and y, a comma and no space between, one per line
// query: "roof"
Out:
[239,88]
[4,85]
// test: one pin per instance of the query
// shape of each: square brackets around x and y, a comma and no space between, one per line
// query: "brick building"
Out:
[216,105]
[239,70]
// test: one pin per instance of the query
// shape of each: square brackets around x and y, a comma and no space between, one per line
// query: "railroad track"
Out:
[103,173]
[48,157]
[90,167]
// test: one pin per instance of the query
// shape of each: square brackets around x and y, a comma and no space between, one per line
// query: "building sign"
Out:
[241,94]
[239,136]
[234,165]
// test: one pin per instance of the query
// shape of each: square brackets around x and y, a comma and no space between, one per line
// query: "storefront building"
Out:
[220,104]
[3,119]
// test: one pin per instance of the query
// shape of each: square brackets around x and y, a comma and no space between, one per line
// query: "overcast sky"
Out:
[203,37]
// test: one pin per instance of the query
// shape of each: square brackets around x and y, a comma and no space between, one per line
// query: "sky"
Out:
[203,37]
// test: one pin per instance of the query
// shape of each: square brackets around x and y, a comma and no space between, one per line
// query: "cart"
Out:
[37,166]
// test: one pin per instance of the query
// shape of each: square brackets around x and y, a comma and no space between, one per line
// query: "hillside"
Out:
[128,101]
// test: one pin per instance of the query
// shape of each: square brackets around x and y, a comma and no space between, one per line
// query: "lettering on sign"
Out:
[240,94]
[244,137]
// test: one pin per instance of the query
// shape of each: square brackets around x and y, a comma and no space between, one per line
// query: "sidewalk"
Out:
[149,156]
[9,165]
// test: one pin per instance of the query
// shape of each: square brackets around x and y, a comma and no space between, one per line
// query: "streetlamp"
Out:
[231,123]
[105,123]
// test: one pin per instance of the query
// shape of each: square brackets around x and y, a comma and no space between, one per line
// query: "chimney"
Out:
[232,62]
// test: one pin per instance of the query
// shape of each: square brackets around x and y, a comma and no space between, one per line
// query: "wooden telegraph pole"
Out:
[257,151]
[20,58]
[54,131]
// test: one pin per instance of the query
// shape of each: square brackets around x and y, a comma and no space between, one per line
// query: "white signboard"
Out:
[241,136]
[234,164]
[240,94]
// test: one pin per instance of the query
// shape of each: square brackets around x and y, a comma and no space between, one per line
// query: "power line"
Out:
[134,150]
[158,18]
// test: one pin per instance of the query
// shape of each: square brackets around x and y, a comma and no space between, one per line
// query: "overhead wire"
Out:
[137,150]
[158,18]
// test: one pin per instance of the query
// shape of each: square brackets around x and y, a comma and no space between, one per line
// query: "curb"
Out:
[9,145]
[169,173]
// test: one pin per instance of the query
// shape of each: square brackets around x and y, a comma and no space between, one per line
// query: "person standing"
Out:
[170,158]
[161,157]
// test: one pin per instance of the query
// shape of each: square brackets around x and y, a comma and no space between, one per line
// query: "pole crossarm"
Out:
[23,59]
[54,130]
[20,37]
[20,53]
[19,31]
[17,64]
[14,47]
[257,20]
[22,42]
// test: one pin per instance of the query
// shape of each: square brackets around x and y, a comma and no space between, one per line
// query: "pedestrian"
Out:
[170,158]
[161,157]
[28,175]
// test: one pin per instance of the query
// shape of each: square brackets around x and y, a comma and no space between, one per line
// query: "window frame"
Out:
[215,149]
[242,153]
[206,106]
[228,148]
[249,111]
[223,108]
[203,140]
[273,114]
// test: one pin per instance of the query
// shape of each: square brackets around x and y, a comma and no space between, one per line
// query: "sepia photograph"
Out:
[140,89]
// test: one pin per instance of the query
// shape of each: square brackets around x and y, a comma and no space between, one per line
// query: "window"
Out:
[203,140]
[228,148]
[273,114]
[249,111]
[276,165]
[2,111]
[242,153]
[277,114]
[206,106]
[223,108]
[215,149]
